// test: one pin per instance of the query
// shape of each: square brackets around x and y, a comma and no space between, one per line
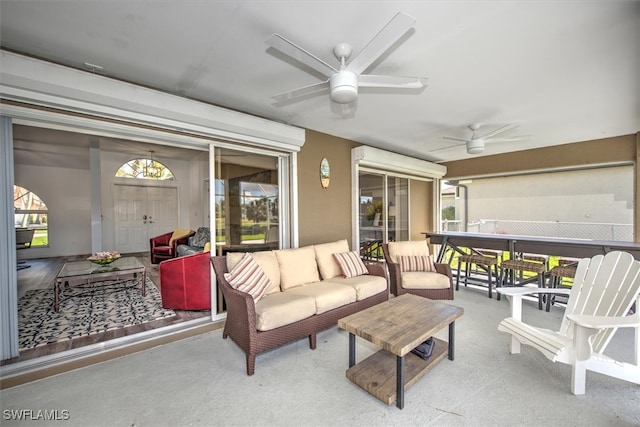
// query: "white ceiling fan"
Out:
[476,143]
[343,82]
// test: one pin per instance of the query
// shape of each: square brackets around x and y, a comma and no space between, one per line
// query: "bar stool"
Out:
[486,262]
[511,266]
[566,269]
[490,252]
[543,259]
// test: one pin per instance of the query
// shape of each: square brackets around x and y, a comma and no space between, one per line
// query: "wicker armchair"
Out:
[395,275]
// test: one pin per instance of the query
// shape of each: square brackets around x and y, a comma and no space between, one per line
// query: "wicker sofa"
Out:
[308,293]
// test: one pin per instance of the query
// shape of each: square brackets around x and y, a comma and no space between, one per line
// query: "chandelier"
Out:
[151,168]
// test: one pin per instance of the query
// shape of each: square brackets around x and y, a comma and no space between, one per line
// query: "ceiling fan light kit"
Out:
[475,146]
[342,84]
[343,87]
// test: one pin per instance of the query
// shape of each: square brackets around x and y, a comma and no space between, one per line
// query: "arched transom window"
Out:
[145,168]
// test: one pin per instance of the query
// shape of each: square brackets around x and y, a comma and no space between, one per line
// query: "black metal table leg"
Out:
[452,336]
[400,382]
[352,349]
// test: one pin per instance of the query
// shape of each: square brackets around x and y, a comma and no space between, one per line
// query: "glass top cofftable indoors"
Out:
[89,273]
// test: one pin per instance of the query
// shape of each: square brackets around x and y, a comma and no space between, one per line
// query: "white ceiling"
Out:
[565,71]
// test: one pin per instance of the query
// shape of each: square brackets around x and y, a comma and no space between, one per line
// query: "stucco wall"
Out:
[324,213]
[616,150]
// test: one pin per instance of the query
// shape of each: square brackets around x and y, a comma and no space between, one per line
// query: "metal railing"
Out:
[570,230]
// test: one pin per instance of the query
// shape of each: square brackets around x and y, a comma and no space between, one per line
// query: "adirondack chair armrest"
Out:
[600,322]
[515,295]
[523,290]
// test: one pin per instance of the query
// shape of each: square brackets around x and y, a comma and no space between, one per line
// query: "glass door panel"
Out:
[398,209]
[371,215]
[246,201]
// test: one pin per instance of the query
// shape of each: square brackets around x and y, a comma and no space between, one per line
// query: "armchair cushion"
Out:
[408,248]
[201,237]
[163,250]
[416,263]
[179,233]
[424,280]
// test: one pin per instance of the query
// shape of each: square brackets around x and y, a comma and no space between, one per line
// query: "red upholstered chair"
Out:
[185,282]
[162,247]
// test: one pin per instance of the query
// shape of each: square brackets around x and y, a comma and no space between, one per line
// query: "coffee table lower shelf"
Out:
[377,373]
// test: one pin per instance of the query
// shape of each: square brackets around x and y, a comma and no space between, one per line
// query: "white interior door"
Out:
[141,213]
[162,210]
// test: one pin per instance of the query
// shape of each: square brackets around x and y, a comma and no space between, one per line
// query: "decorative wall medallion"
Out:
[324,172]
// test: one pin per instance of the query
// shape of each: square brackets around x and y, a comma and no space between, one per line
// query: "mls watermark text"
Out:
[36,414]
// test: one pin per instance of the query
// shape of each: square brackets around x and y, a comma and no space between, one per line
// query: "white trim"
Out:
[292,226]
[393,162]
[30,80]
[8,275]
[395,174]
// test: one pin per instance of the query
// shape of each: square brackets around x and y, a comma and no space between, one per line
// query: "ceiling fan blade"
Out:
[303,91]
[391,33]
[455,138]
[450,147]
[498,131]
[368,80]
[514,139]
[291,49]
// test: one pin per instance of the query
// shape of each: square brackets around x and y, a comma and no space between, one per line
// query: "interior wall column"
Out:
[8,274]
[95,172]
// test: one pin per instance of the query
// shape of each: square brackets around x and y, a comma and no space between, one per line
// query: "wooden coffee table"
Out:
[86,272]
[398,326]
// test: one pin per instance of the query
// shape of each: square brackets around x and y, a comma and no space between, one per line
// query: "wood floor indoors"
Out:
[41,274]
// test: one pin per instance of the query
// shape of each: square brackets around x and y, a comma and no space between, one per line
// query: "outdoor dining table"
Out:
[514,244]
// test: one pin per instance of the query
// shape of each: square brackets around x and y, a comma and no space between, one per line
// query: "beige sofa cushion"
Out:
[327,295]
[282,308]
[424,280]
[266,260]
[365,286]
[297,266]
[327,264]
[413,247]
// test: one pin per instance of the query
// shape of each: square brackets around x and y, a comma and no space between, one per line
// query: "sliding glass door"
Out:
[246,201]
[383,211]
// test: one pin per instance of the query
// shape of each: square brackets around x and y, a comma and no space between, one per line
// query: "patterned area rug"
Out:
[86,311]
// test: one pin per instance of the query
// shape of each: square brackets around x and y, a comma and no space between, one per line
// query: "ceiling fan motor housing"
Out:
[475,146]
[344,87]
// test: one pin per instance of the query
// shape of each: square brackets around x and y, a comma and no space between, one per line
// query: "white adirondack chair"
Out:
[600,300]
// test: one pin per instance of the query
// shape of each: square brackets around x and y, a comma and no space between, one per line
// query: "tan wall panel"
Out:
[602,151]
[421,208]
[324,213]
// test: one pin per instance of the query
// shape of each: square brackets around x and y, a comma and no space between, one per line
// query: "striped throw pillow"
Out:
[247,276]
[351,264]
[416,263]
